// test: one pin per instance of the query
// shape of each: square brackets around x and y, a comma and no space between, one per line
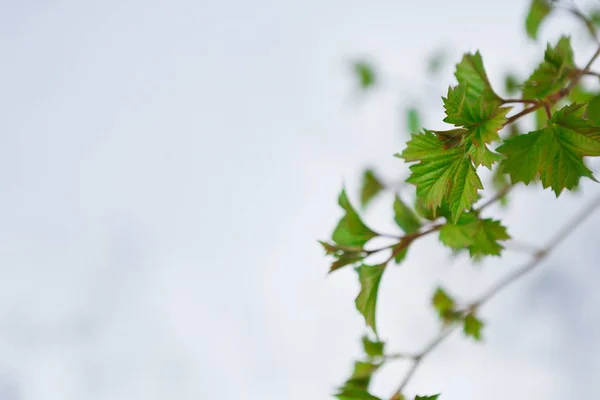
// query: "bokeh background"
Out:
[166,168]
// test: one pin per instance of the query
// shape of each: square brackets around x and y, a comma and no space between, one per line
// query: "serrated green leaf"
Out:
[471,74]
[538,11]
[480,236]
[593,111]
[371,187]
[365,74]
[481,117]
[484,156]
[373,348]
[366,301]
[554,153]
[442,174]
[434,397]
[413,121]
[552,74]
[351,230]
[405,217]
[472,326]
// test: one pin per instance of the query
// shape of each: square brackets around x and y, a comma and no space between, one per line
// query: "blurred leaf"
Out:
[595,17]
[593,110]
[472,326]
[365,74]
[541,118]
[356,388]
[343,255]
[366,302]
[579,95]
[436,62]
[538,11]
[480,236]
[511,84]
[405,217]
[371,187]
[351,230]
[373,348]
[413,120]
[434,397]
[444,305]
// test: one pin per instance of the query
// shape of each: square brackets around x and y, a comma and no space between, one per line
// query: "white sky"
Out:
[167,167]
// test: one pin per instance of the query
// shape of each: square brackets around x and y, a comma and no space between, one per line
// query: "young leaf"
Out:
[538,11]
[405,217]
[481,117]
[413,120]
[371,187]
[351,230]
[442,174]
[593,111]
[366,302]
[356,388]
[444,305]
[365,74]
[553,73]
[372,348]
[472,326]
[480,236]
[343,255]
[471,74]
[555,153]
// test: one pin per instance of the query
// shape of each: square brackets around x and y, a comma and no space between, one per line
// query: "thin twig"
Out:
[540,255]
[500,194]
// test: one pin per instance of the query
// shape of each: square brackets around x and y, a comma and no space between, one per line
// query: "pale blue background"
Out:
[167,167]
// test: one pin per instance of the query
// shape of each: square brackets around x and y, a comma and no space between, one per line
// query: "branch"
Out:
[540,255]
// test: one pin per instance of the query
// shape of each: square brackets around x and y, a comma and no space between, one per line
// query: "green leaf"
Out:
[472,326]
[442,174]
[366,302]
[413,120]
[405,217]
[511,84]
[538,11]
[371,187]
[373,348]
[484,156]
[553,73]
[351,230]
[480,236]
[343,255]
[471,74]
[593,111]
[434,397]
[482,117]
[554,153]
[356,388]
[355,394]
[365,74]
[444,304]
